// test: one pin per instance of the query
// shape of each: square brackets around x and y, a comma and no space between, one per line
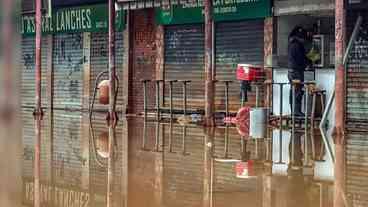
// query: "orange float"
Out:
[103,89]
[102,145]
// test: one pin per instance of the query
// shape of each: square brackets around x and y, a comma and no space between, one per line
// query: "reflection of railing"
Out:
[326,113]
[323,126]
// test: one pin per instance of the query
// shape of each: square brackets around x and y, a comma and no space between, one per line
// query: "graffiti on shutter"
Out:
[237,42]
[184,60]
[357,115]
[68,63]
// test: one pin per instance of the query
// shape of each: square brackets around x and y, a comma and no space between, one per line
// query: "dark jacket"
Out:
[297,58]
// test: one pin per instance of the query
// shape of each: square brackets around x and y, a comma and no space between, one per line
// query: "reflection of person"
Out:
[297,186]
[298,62]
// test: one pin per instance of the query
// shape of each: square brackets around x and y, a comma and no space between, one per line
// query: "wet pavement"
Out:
[172,164]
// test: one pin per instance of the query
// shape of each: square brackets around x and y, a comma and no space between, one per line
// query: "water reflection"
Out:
[172,164]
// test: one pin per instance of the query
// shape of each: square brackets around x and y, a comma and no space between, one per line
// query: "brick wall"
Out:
[143,59]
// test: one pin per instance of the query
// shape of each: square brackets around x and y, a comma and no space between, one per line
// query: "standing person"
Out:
[298,62]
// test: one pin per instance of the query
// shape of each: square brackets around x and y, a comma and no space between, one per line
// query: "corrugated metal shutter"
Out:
[183,174]
[99,61]
[67,157]
[68,63]
[225,179]
[29,143]
[184,60]
[357,113]
[28,102]
[237,42]
[27,5]
[28,71]
[99,173]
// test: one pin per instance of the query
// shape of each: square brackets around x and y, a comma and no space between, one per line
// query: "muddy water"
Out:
[169,164]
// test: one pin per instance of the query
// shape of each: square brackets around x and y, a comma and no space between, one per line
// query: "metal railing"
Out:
[323,126]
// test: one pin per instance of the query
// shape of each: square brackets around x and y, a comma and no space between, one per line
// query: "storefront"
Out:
[238,38]
[75,39]
[74,51]
[356,101]
[318,18]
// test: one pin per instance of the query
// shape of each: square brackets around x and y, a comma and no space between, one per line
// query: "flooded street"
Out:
[171,164]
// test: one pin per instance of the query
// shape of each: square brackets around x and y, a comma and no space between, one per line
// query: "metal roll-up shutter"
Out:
[184,60]
[237,42]
[183,172]
[68,63]
[28,71]
[100,63]
[98,165]
[357,114]
[28,133]
[28,102]
[67,153]
[225,179]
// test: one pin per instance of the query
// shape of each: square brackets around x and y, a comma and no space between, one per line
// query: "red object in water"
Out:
[230,120]
[242,118]
[244,169]
[248,72]
[103,88]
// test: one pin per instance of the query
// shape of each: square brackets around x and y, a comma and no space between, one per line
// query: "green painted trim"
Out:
[92,18]
[224,10]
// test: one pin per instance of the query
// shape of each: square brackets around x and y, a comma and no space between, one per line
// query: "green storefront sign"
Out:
[76,19]
[223,10]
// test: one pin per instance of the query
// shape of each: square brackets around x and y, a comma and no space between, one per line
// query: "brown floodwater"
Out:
[158,164]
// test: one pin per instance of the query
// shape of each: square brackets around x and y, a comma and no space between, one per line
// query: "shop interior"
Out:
[320,47]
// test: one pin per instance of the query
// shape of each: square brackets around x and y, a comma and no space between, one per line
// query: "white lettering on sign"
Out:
[57,196]
[65,20]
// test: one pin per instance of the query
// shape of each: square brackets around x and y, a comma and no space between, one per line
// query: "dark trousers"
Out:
[298,91]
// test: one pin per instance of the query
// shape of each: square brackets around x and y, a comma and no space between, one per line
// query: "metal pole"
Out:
[145,107]
[208,174]
[313,114]
[171,100]
[281,108]
[226,150]
[185,96]
[209,86]
[171,97]
[112,114]
[184,140]
[38,110]
[257,95]
[227,98]
[340,27]
[306,160]
[158,100]
[293,85]
[171,136]
[157,137]
[144,141]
